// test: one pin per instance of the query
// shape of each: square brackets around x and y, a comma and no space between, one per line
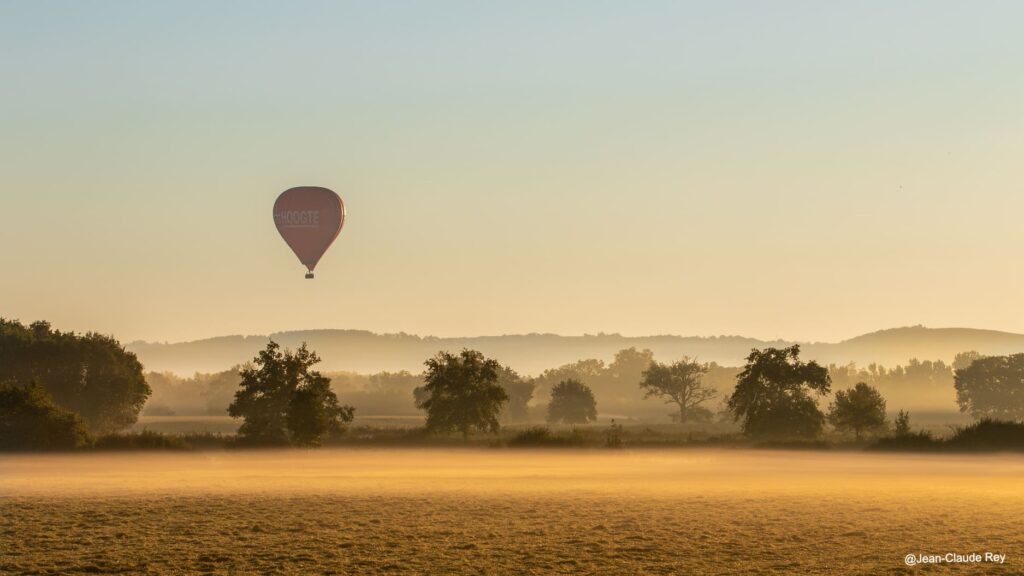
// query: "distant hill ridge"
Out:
[364,351]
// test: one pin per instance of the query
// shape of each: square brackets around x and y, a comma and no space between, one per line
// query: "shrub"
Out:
[541,436]
[145,440]
[982,436]
[988,434]
[29,420]
[909,442]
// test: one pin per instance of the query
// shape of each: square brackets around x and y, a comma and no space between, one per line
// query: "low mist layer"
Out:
[653,472]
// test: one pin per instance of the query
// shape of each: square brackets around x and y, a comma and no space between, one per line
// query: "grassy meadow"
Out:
[471,511]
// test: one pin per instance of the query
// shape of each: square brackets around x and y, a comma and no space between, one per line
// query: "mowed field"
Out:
[362,511]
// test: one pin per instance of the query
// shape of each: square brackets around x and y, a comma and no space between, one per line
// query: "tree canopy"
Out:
[992,387]
[572,402]
[772,395]
[680,383]
[462,393]
[860,409]
[89,374]
[284,401]
[31,421]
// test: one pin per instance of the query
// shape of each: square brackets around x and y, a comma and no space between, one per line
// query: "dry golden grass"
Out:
[506,512]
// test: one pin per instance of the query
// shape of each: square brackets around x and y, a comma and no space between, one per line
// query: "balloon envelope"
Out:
[309,218]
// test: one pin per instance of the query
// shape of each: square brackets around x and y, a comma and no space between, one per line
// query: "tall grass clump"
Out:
[543,436]
[145,440]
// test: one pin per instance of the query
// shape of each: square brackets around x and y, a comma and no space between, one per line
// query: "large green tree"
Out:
[773,395]
[89,374]
[572,402]
[860,409]
[284,401]
[680,383]
[462,393]
[992,387]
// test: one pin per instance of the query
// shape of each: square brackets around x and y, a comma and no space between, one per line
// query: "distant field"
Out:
[938,423]
[352,511]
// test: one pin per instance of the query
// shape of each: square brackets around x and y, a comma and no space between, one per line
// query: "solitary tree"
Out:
[772,396]
[860,409]
[572,402]
[89,374]
[462,393]
[283,401]
[992,387]
[901,426]
[29,420]
[679,383]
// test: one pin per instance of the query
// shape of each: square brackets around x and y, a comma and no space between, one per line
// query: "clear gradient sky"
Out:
[808,170]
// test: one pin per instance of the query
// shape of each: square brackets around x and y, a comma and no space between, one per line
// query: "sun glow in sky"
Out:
[803,170]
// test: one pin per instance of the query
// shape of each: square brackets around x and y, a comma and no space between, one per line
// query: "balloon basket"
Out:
[309,275]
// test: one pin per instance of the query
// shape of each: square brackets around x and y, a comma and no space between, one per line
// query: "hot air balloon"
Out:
[309,218]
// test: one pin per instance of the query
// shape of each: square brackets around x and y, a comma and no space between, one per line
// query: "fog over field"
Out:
[471,471]
[472,511]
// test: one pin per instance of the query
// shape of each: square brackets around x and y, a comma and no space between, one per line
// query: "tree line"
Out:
[61,387]
[776,396]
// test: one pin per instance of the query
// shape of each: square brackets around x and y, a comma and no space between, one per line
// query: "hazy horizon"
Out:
[786,171]
[561,335]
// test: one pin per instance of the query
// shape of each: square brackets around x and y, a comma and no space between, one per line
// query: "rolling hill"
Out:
[362,351]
